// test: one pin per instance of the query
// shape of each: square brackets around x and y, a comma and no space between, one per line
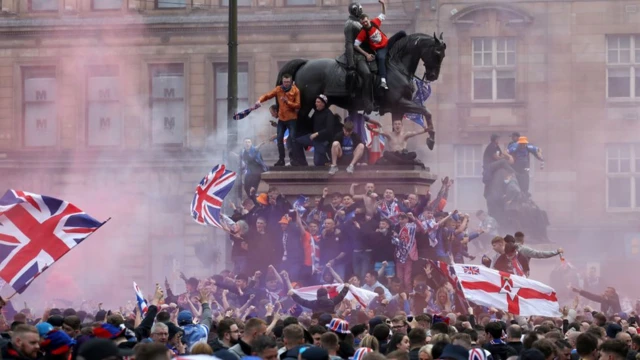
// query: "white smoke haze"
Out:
[147,190]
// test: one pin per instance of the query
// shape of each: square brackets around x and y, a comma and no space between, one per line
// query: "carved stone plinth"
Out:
[309,181]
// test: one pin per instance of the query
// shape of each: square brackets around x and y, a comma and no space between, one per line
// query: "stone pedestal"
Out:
[309,181]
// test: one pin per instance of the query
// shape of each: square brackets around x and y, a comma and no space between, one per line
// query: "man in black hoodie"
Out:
[323,304]
[323,121]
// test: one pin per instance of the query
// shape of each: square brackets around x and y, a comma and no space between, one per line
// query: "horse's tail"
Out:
[290,68]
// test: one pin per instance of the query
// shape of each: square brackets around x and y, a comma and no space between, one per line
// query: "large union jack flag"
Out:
[36,231]
[207,201]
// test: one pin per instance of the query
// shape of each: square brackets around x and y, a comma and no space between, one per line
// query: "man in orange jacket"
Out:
[288,97]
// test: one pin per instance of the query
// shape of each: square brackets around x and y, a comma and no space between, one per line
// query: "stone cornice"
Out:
[256,22]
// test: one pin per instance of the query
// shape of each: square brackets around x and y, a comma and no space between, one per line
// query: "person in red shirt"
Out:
[377,41]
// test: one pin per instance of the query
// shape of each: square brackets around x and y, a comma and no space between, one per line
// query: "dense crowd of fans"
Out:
[347,242]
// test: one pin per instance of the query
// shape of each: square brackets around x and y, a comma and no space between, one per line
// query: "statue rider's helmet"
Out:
[355,9]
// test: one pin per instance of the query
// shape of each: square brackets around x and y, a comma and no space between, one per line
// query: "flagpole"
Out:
[46,268]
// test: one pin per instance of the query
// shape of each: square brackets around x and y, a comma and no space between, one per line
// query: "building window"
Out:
[167,103]
[171,4]
[40,111]
[43,5]
[300,2]
[623,66]
[494,69]
[104,112]
[221,76]
[106,4]
[225,3]
[623,177]
[468,188]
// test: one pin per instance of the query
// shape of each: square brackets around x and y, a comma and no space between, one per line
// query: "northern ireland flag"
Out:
[503,291]
[362,296]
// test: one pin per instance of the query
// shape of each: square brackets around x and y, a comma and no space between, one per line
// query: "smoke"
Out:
[144,189]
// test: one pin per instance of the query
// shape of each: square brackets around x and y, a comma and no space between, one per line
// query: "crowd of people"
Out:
[233,318]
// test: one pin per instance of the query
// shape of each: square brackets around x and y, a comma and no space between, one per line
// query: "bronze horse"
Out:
[328,76]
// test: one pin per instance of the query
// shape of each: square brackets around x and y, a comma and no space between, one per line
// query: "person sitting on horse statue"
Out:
[288,98]
[357,64]
[377,41]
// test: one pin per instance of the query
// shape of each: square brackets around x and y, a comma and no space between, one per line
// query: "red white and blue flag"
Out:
[511,293]
[361,296]
[471,270]
[142,303]
[449,272]
[36,231]
[210,193]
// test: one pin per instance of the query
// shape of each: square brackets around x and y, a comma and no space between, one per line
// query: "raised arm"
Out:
[207,315]
[309,304]
[538,254]
[411,134]
[335,275]
[379,131]
[338,299]
[270,95]
[384,7]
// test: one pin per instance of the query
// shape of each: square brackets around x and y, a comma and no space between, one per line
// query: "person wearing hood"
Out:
[609,300]
[293,341]
[252,166]
[323,304]
[323,121]
[196,332]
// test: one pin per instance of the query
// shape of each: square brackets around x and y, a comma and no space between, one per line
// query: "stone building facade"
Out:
[120,106]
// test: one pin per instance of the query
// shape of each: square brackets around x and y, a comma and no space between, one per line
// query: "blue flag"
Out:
[423,93]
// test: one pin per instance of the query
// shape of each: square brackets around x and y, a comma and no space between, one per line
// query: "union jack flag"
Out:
[471,270]
[207,201]
[36,231]
[142,303]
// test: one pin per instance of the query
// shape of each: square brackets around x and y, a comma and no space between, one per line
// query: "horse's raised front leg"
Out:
[409,106]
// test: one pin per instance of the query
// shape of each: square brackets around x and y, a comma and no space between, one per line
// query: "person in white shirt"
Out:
[371,283]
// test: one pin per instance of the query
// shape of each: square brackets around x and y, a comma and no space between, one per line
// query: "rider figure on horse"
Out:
[352,28]
[377,40]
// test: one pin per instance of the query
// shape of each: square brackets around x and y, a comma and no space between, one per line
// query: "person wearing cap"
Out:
[44,328]
[521,164]
[196,332]
[57,345]
[341,329]
[288,98]
[323,121]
